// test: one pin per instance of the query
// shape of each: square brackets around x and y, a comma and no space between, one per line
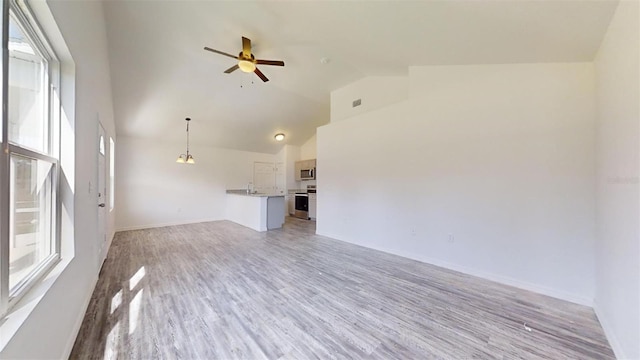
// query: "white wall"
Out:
[289,155]
[153,190]
[308,150]
[486,169]
[374,91]
[617,299]
[50,329]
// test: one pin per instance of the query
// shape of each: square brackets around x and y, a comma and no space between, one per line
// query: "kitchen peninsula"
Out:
[260,212]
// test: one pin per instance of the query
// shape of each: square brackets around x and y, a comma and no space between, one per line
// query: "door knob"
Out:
[102,205]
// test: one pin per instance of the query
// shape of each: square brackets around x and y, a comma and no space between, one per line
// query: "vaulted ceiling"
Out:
[161,74]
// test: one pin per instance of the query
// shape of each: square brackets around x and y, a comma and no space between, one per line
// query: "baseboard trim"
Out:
[577,299]
[158,225]
[78,323]
[609,333]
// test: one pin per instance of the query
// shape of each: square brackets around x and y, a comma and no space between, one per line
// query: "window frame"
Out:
[112,174]
[21,14]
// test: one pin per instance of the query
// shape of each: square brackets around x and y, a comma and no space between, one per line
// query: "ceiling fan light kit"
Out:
[186,158]
[247,61]
[246,66]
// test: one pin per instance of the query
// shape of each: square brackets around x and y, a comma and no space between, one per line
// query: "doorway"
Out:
[102,196]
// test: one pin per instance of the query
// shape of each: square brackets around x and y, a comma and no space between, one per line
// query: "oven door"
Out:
[302,206]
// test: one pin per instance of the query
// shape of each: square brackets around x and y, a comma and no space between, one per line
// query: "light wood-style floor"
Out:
[221,291]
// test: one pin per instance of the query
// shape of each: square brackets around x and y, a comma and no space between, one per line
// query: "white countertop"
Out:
[243,192]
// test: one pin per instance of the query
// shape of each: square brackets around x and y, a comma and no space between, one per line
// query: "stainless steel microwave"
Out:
[308,174]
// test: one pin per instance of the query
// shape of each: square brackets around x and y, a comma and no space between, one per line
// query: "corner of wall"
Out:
[609,331]
[617,68]
[308,150]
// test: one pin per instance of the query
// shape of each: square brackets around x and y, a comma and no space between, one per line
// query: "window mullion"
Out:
[15,149]
[4,166]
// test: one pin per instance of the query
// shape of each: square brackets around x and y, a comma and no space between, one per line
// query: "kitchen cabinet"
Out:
[291,204]
[259,212]
[307,164]
[312,206]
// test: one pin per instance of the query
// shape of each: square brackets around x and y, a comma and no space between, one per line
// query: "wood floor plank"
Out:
[218,290]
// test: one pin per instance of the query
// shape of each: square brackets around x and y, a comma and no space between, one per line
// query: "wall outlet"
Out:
[451,239]
[413,232]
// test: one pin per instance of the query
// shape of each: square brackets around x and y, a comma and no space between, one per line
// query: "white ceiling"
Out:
[161,74]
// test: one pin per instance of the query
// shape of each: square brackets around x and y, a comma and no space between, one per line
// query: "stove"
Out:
[302,202]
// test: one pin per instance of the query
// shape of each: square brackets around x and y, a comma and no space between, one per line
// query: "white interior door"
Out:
[102,196]
[264,179]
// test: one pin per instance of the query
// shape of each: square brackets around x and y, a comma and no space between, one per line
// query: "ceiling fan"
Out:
[246,61]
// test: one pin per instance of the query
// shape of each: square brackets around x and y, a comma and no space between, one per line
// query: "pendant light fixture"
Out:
[186,158]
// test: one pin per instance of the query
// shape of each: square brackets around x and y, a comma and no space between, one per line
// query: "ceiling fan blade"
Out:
[260,75]
[246,47]
[231,69]
[270,62]
[220,52]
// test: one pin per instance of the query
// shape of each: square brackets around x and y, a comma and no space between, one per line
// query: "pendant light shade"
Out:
[186,158]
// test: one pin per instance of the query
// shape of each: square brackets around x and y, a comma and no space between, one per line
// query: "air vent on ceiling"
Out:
[357,103]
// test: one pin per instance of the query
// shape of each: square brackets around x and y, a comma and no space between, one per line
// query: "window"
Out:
[29,167]
[112,174]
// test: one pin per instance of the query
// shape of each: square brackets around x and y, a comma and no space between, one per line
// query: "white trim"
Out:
[609,332]
[28,25]
[112,174]
[78,323]
[102,241]
[151,226]
[26,152]
[562,295]
[34,30]
[110,238]
[574,298]
[4,175]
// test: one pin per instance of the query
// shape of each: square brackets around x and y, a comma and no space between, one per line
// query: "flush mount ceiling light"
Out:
[186,158]
[279,137]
